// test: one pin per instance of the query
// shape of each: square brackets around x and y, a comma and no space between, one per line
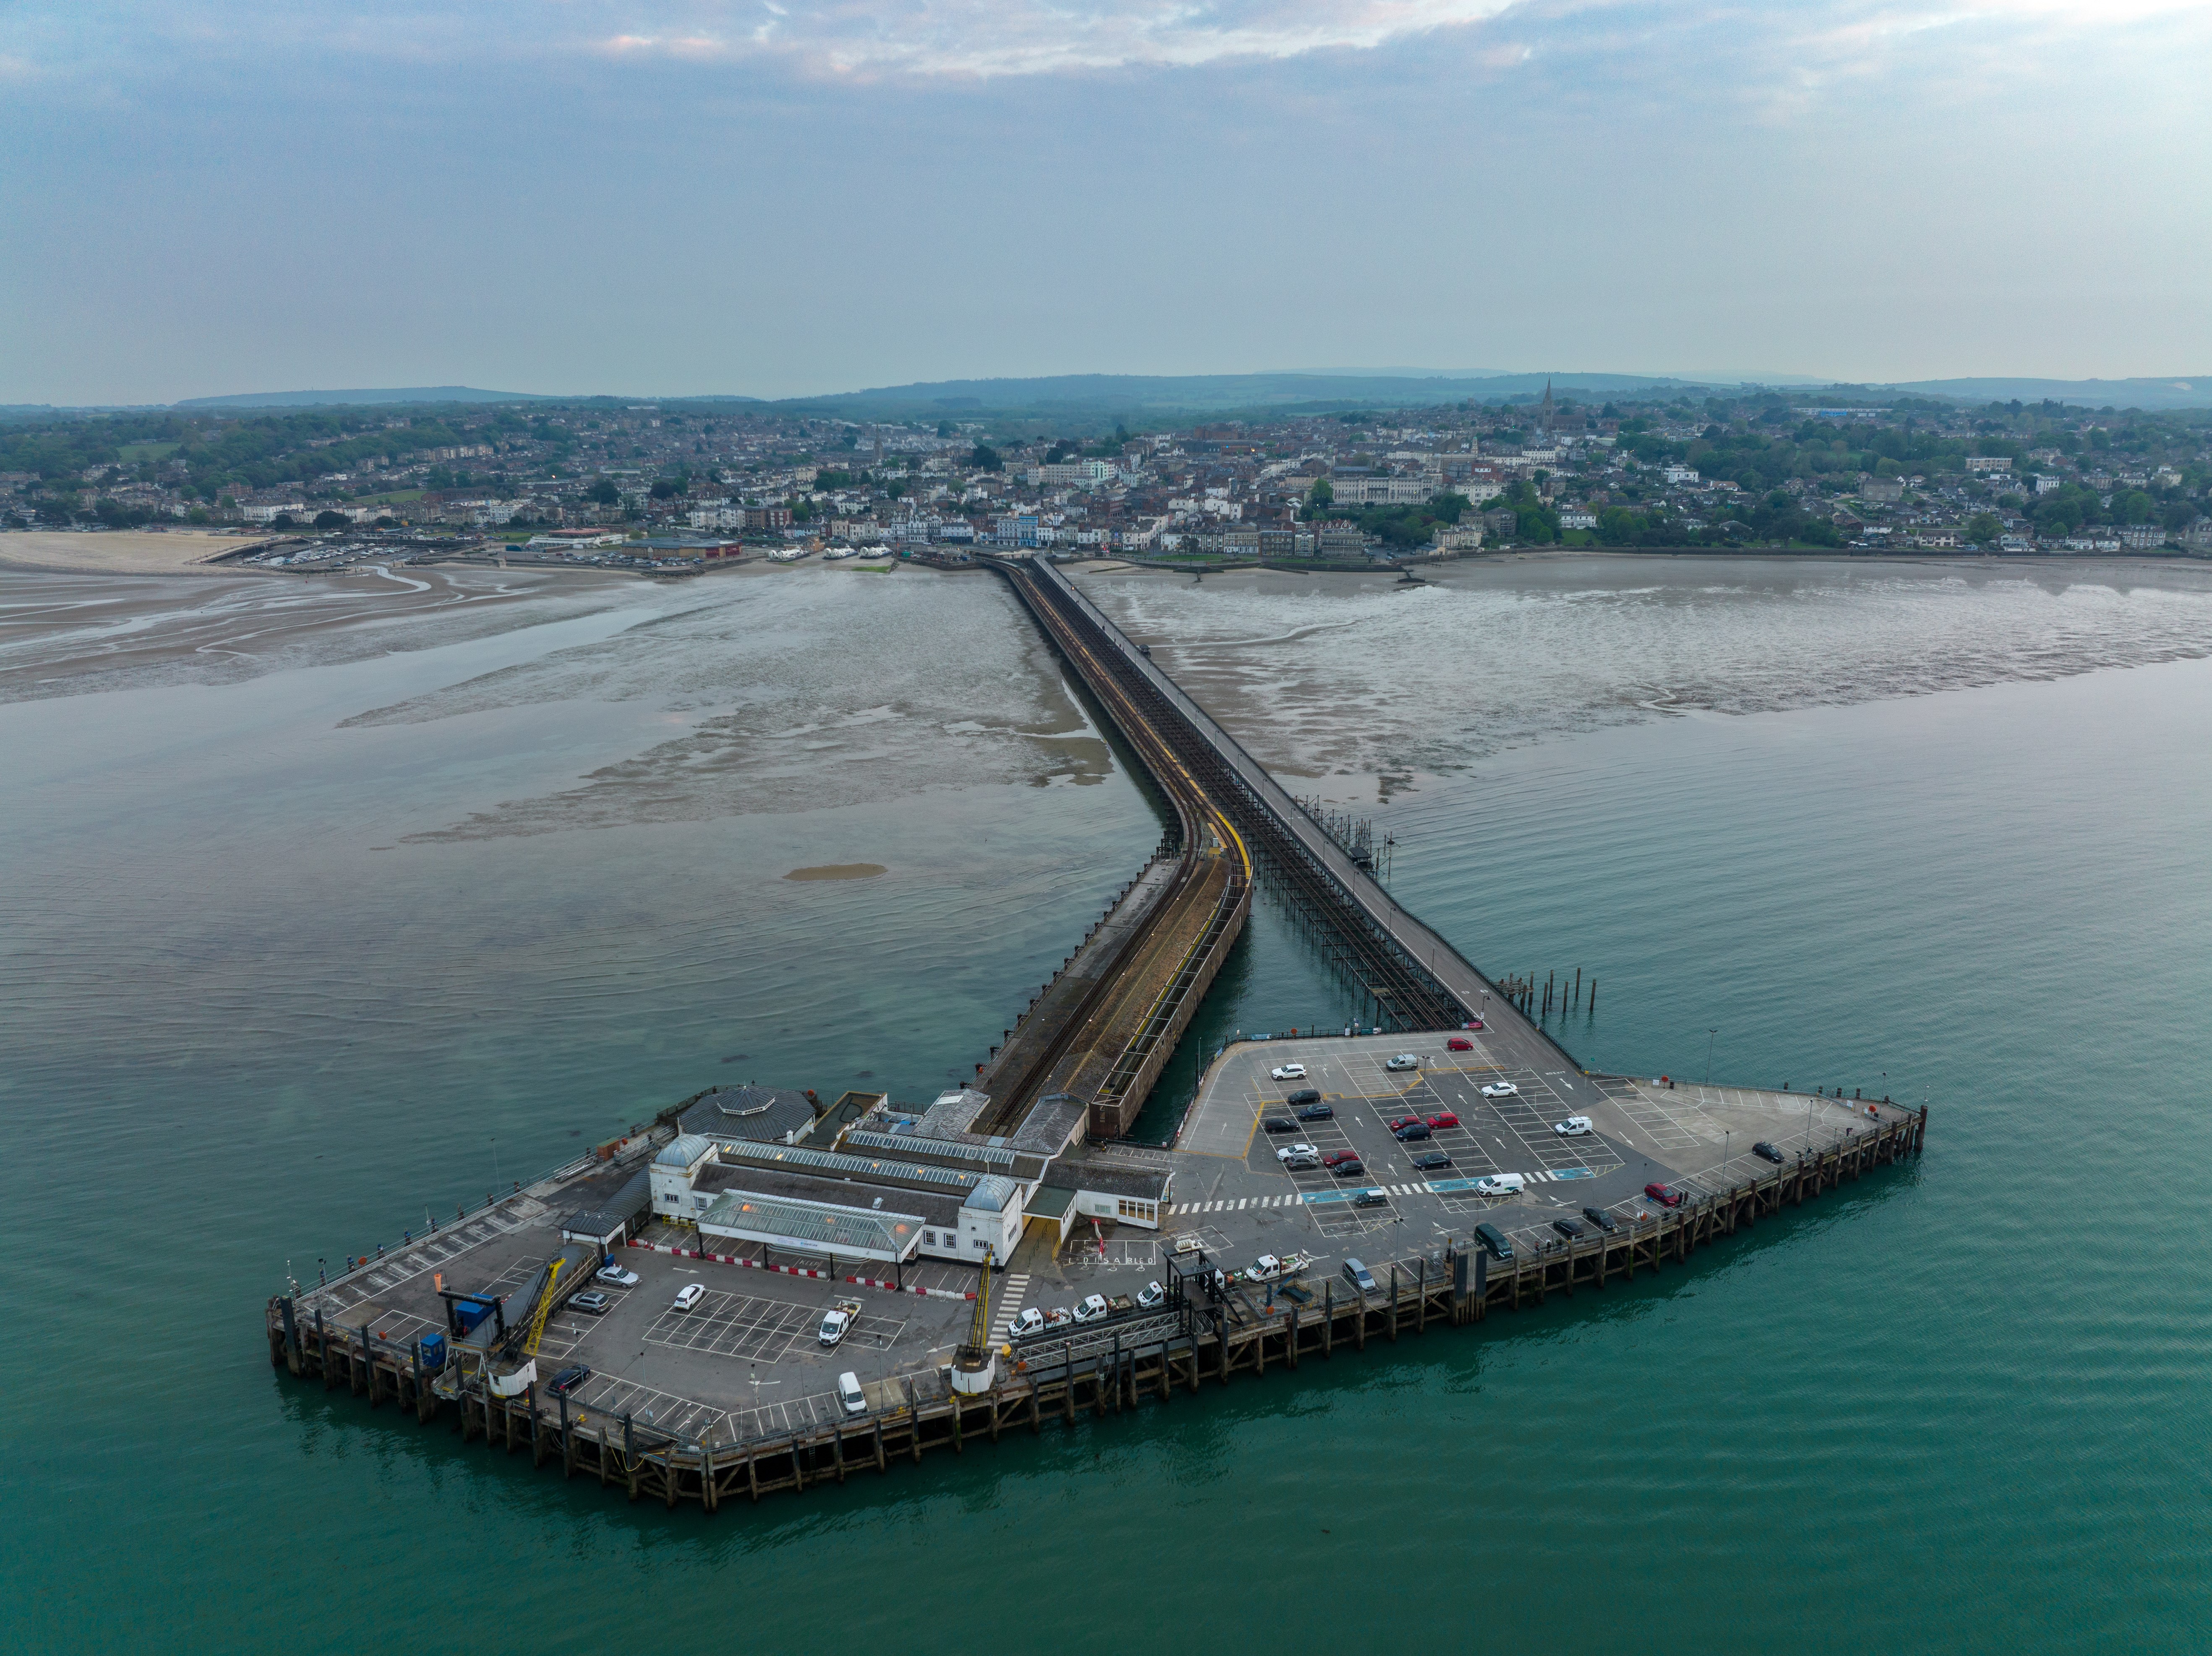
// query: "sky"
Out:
[780,197]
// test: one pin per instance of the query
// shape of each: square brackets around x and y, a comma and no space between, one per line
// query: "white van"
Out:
[848,1394]
[1501,1183]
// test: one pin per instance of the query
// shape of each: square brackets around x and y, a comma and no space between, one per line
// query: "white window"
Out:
[929,1239]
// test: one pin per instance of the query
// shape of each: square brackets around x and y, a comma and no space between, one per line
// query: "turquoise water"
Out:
[1961,1405]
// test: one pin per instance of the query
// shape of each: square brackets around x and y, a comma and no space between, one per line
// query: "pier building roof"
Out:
[993,1192]
[684,1150]
[871,1233]
[762,1114]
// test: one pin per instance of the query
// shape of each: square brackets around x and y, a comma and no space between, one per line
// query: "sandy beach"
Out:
[120,552]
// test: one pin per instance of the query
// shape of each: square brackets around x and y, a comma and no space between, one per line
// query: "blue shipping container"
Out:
[470,1312]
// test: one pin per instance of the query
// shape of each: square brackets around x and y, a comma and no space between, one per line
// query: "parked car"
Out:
[1289,1150]
[1494,1239]
[1301,1163]
[611,1272]
[1573,1127]
[1432,1160]
[1277,1123]
[1407,1134]
[1289,1072]
[1265,1269]
[688,1295]
[1352,1169]
[1501,1183]
[1304,1095]
[837,1321]
[1403,1061]
[1030,1321]
[1768,1152]
[1568,1229]
[1445,1120]
[1663,1197]
[1460,1044]
[1600,1218]
[1359,1276]
[1397,1121]
[591,1302]
[849,1393]
[1092,1308]
[1370,1198]
[1501,1089]
[1317,1112]
[1336,1157]
[1150,1295]
[569,1379]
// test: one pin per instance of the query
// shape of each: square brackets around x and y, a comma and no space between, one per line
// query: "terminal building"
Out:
[865,1179]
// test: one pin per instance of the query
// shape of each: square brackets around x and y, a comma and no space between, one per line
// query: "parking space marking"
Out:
[608,1398]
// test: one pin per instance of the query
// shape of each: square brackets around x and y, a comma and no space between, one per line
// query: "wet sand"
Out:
[120,552]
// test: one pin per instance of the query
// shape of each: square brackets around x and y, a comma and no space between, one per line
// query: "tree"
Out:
[1982,528]
[984,457]
[332,520]
[1322,494]
[604,492]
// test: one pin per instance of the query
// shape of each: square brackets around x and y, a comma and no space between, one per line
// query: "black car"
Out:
[1349,1169]
[592,1302]
[1600,1218]
[1767,1150]
[1494,1239]
[1279,1123]
[1568,1229]
[1434,1159]
[1304,1095]
[1415,1130]
[1370,1198]
[569,1379]
[1316,1112]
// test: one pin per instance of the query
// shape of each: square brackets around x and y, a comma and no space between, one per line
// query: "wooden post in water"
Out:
[1328,1318]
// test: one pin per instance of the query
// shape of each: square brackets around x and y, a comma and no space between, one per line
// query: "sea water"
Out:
[295,951]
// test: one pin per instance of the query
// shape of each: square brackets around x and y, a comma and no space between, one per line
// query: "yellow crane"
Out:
[544,1305]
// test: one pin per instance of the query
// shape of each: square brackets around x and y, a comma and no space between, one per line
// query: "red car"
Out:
[1405,1121]
[1447,1119]
[1460,1044]
[1335,1156]
[1663,1197]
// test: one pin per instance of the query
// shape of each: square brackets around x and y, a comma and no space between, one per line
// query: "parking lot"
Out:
[1233,1196]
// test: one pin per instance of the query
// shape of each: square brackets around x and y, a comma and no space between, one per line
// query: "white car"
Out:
[849,1393]
[1092,1309]
[1289,1150]
[688,1296]
[1289,1072]
[1403,1061]
[1030,1321]
[1501,1183]
[835,1324]
[1573,1127]
[1151,1294]
[1501,1089]
[611,1272]
[1265,1269]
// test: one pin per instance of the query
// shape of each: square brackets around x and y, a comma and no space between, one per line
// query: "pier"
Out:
[657,1314]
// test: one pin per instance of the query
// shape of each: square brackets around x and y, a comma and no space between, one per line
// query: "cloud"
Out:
[979,40]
